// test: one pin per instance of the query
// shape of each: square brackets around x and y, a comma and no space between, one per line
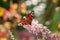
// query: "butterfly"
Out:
[28,19]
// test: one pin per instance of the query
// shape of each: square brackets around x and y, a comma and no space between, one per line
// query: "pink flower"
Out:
[36,28]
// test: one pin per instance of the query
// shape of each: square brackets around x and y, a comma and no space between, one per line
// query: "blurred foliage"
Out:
[5,4]
[52,15]
[55,21]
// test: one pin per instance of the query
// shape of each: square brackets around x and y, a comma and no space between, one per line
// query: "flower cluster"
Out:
[39,9]
[37,29]
[34,2]
[11,35]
